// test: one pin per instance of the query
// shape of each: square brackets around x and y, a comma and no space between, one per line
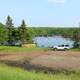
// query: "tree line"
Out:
[9,33]
[24,34]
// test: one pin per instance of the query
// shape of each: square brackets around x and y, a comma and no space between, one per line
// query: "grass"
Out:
[75,49]
[12,73]
[16,49]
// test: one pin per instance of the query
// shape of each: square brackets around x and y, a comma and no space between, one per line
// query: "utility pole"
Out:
[76,35]
[79,32]
[79,24]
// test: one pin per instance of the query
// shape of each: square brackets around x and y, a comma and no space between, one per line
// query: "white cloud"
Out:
[57,1]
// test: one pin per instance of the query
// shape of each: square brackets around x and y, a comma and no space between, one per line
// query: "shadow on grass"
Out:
[30,67]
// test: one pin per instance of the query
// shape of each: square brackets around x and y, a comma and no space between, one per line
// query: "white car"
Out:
[62,47]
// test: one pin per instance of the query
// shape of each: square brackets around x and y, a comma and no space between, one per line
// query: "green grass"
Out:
[12,73]
[16,49]
[75,49]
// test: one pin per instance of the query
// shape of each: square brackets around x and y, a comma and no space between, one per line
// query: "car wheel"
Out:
[65,49]
[55,49]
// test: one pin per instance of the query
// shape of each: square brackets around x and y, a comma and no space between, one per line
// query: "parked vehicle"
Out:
[62,47]
[15,43]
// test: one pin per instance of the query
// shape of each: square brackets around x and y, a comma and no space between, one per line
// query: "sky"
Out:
[57,13]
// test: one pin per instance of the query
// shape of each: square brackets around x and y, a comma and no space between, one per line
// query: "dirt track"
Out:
[50,59]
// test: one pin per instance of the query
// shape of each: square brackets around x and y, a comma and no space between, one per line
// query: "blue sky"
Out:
[42,12]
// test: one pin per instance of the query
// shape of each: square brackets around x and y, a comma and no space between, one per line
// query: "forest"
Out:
[24,34]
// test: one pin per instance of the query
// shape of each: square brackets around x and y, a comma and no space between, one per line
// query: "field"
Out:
[17,49]
[13,73]
[38,64]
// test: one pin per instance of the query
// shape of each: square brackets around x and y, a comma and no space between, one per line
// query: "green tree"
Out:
[22,32]
[2,33]
[76,38]
[10,30]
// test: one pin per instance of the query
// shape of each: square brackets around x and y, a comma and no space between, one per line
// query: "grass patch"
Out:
[75,49]
[16,49]
[13,73]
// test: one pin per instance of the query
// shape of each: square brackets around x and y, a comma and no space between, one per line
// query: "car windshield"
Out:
[63,45]
[67,45]
[60,45]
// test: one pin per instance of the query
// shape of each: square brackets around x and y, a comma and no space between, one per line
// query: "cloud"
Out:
[57,1]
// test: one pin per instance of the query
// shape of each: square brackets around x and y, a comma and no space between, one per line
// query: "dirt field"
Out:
[49,59]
